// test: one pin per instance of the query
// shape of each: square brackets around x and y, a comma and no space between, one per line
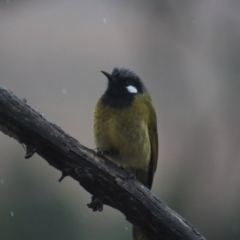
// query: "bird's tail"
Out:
[138,235]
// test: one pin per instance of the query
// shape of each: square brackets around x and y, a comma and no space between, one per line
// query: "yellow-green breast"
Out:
[123,133]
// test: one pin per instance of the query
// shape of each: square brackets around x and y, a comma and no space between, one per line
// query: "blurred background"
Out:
[187,53]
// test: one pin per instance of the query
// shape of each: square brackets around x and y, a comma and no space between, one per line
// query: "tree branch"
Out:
[98,176]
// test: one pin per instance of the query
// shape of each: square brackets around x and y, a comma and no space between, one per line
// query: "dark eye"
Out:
[127,83]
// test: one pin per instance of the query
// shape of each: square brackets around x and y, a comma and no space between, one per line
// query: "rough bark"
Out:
[98,176]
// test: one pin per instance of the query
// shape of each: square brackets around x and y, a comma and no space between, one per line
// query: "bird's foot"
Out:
[98,152]
[131,174]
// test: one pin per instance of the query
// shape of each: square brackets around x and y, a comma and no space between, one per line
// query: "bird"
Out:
[125,127]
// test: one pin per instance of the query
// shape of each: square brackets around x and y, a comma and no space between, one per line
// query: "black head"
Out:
[123,85]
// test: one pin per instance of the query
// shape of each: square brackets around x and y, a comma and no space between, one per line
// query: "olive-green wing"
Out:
[153,136]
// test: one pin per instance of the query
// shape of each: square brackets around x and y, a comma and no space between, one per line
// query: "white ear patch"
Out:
[132,89]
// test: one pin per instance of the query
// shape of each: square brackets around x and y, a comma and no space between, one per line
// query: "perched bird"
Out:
[125,127]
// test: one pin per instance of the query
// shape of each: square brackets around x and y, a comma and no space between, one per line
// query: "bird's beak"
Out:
[109,76]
